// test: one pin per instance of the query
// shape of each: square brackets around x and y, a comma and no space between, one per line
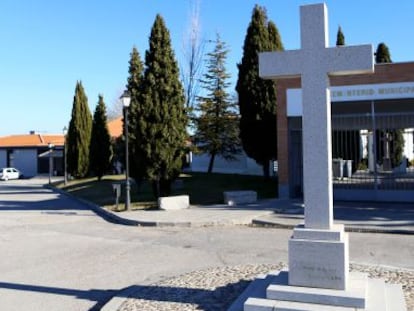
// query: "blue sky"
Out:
[47,45]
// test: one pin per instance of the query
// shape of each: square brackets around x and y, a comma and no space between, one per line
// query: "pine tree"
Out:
[164,119]
[257,97]
[135,115]
[340,38]
[217,126]
[79,134]
[101,148]
[382,55]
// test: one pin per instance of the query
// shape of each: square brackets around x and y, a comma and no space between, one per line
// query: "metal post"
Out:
[65,174]
[50,163]
[374,145]
[65,163]
[128,186]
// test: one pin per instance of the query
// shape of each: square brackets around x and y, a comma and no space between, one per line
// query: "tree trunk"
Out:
[211,164]
[266,166]
[161,188]
[165,187]
[156,188]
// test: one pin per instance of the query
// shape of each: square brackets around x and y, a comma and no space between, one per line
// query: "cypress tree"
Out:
[135,115]
[257,97]
[164,115]
[217,124]
[340,38]
[397,147]
[101,147]
[382,55]
[79,134]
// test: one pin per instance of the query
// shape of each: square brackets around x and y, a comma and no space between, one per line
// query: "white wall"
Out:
[243,165]
[3,158]
[25,160]
[408,144]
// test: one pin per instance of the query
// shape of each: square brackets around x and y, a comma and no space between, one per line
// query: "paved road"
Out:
[58,255]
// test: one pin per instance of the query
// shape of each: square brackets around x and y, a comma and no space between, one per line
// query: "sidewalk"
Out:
[356,216]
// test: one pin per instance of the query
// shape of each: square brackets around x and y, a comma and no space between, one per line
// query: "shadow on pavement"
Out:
[95,295]
[208,300]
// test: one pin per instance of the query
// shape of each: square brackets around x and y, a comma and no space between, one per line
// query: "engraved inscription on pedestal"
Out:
[321,264]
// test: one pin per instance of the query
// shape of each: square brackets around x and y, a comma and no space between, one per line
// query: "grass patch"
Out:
[202,188]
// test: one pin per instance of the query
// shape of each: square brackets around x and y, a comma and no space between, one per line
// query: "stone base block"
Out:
[354,296]
[363,294]
[174,202]
[319,258]
[257,304]
[240,197]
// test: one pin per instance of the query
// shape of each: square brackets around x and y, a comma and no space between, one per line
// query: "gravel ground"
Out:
[215,289]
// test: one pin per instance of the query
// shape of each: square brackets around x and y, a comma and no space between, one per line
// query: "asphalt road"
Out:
[58,255]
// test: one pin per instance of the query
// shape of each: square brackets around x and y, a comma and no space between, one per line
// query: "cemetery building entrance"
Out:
[372,136]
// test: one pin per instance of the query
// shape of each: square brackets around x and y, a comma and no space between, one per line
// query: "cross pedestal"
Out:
[318,276]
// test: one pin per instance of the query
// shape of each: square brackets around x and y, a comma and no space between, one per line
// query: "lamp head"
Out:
[126,99]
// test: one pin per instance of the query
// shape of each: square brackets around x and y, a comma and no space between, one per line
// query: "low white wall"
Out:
[176,202]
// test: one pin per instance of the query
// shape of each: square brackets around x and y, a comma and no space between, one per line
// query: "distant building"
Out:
[30,153]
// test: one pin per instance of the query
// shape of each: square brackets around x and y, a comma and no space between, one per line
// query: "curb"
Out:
[111,217]
[348,228]
[118,299]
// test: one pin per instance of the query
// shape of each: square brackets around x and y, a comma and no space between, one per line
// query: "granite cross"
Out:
[314,63]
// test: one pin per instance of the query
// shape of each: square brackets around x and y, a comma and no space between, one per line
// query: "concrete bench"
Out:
[176,202]
[240,197]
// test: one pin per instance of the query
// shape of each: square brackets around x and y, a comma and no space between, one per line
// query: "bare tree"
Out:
[193,50]
[116,109]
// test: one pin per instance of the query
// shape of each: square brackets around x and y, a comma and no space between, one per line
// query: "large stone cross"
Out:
[314,63]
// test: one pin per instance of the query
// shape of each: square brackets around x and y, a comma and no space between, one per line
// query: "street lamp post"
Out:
[50,146]
[65,174]
[126,100]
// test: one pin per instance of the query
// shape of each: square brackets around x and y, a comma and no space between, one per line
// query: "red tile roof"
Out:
[115,127]
[31,140]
